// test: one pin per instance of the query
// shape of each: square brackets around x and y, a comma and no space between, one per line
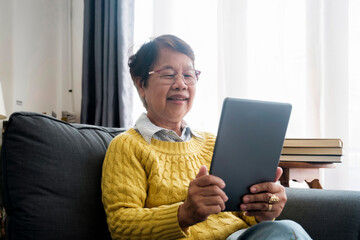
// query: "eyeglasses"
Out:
[168,76]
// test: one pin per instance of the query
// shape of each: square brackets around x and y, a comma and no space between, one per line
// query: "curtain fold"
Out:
[335,88]
[106,82]
[233,58]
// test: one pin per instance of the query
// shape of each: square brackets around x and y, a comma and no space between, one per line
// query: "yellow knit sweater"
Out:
[144,184]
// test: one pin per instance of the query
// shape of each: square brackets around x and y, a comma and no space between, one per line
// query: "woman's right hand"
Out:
[205,197]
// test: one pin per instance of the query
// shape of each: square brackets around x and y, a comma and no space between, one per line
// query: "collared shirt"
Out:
[149,130]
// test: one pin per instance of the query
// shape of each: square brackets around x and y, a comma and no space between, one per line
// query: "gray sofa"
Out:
[50,185]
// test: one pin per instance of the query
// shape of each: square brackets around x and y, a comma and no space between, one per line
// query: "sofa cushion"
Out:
[324,214]
[51,174]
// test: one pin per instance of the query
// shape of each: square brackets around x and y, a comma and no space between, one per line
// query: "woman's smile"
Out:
[178,99]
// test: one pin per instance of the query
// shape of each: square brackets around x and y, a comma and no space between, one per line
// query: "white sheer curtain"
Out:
[353,147]
[304,52]
[293,51]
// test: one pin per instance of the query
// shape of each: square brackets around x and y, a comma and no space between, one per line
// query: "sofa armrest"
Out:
[324,214]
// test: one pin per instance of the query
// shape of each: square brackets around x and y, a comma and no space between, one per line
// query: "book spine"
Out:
[313,143]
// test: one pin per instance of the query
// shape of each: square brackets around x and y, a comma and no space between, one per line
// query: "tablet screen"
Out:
[248,145]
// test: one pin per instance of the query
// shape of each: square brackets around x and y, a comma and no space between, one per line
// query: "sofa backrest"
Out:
[51,174]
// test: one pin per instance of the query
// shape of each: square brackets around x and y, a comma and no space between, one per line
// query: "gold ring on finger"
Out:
[274,199]
[269,207]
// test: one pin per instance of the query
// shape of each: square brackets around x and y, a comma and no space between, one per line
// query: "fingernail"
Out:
[253,189]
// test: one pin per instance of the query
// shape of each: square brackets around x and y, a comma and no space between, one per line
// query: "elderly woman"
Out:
[155,182]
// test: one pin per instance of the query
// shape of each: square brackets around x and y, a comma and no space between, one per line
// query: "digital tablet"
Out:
[248,145]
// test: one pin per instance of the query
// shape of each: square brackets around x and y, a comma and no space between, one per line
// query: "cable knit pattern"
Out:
[144,184]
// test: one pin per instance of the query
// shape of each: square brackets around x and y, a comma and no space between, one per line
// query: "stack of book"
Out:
[325,150]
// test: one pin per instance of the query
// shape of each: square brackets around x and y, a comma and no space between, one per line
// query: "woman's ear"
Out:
[139,86]
[141,90]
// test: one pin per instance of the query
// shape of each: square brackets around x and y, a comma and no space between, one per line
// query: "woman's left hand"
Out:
[258,203]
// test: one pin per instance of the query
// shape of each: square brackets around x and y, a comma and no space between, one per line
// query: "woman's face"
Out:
[168,104]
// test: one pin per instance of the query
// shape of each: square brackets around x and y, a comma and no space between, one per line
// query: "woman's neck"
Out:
[177,127]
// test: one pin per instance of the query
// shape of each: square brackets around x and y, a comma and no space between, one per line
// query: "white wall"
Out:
[77,49]
[6,52]
[40,60]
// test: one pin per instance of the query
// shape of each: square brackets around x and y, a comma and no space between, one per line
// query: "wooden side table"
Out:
[303,171]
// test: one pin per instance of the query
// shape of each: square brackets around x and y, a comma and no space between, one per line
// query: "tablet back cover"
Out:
[248,145]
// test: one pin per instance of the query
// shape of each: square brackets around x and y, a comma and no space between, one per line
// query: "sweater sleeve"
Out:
[124,192]
[250,221]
